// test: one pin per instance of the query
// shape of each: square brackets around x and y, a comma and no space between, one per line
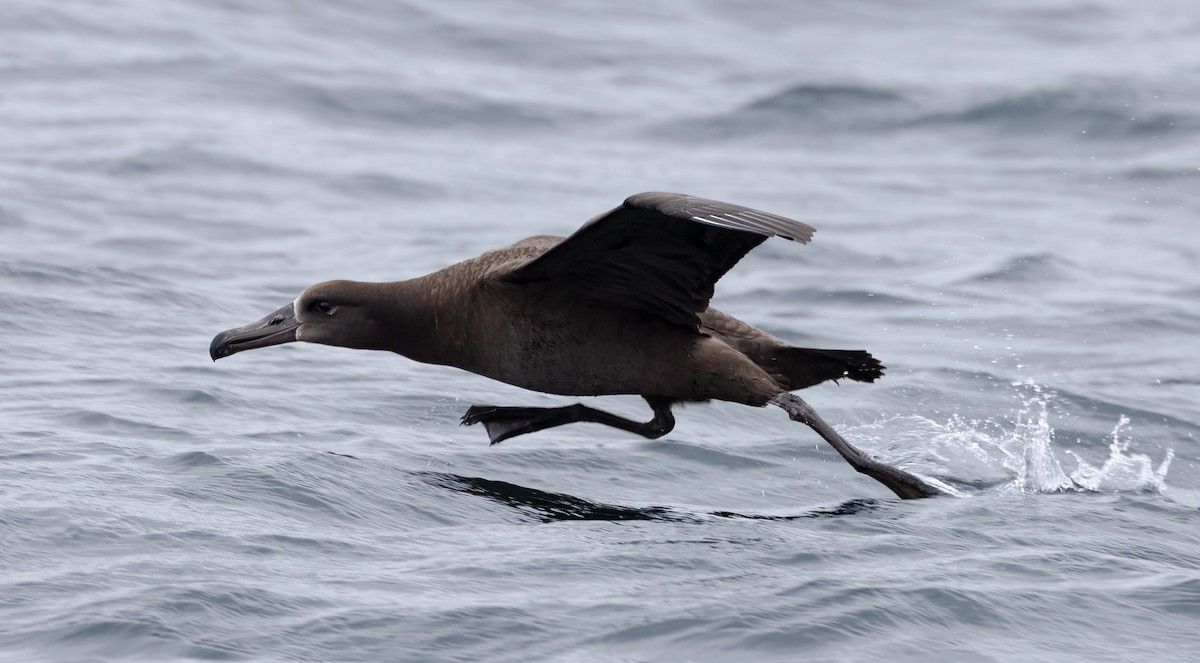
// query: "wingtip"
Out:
[806,238]
[717,213]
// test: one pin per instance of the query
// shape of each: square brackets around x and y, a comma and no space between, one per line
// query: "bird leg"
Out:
[907,485]
[502,423]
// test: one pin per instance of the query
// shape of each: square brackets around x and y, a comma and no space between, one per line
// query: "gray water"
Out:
[1006,201]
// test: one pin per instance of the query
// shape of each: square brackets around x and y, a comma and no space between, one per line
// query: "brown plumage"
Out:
[619,307]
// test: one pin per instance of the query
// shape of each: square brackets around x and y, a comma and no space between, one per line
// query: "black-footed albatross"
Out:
[619,307]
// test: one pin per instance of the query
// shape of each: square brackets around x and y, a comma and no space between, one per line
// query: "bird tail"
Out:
[805,367]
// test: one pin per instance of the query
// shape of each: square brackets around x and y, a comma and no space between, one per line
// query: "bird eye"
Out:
[324,307]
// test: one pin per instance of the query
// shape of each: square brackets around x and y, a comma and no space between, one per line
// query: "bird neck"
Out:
[411,314]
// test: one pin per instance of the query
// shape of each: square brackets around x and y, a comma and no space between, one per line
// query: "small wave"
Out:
[1181,597]
[854,297]
[192,459]
[1180,381]
[805,107]
[10,219]
[1034,267]
[1088,110]
[103,423]
[1159,173]
[385,186]
[402,107]
[40,273]
[1096,111]
[189,160]
[1021,453]
[202,165]
[189,396]
[818,100]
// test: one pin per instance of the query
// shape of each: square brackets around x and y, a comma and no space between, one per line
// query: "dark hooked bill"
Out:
[276,328]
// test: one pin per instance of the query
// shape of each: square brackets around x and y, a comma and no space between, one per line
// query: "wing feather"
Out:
[660,253]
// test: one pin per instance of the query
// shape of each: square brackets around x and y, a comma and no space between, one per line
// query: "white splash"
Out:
[1019,453]
[1121,471]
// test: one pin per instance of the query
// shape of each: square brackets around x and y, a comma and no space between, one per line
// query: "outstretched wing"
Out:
[660,253]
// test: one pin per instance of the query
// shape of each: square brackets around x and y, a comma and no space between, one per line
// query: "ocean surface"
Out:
[1007,198]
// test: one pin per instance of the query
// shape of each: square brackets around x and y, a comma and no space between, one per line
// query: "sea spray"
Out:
[1015,453]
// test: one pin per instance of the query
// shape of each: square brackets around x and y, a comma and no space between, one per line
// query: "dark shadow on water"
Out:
[553,507]
[847,508]
[547,506]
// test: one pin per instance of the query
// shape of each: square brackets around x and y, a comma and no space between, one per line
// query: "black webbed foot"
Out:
[501,423]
